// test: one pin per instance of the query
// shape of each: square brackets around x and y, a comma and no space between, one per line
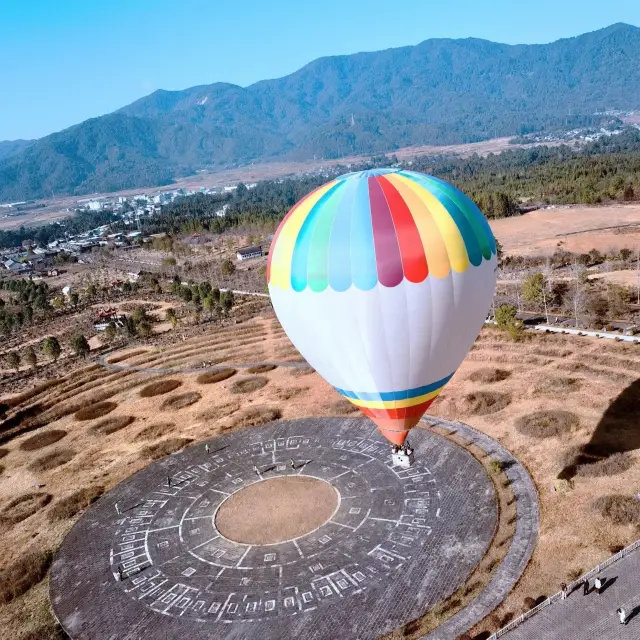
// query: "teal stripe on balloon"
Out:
[474,215]
[466,231]
[318,264]
[340,243]
[300,259]
[364,272]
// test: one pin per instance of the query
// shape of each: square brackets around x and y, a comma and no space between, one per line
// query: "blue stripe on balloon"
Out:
[340,242]
[386,396]
[300,259]
[364,272]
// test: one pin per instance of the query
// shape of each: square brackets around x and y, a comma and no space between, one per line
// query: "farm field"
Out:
[563,406]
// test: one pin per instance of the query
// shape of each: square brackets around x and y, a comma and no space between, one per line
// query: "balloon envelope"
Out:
[382,280]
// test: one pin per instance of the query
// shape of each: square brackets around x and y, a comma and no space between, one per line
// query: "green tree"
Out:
[110,332]
[227,300]
[144,328]
[625,254]
[629,193]
[79,345]
[140,315]
[58,303]
[170,315]
[92,291]
[209,305]
[506,320]
[533,288]
[130,326]
[30,357]
[186,294]
[227,267]
[51,348]
[12,358]
[204,289]
[215,294]
[74,298]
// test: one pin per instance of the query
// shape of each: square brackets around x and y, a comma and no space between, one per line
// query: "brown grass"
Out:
[25,572]
[298,372]
[611,466]
[164,448]
[156,430]
[249,384]
[557,385]
[255,416]
[342,407]
[25,396]
[3,452]
[95,411]
[215,376]
[41,440]
[547,424]
[68,507]
[111,425]
[181,401]
[23,507]
[288,392]
[159,387]
[481,403]
[620,510]
[52,460]
[262,368]
[126,356]
[488,375]
[221,411]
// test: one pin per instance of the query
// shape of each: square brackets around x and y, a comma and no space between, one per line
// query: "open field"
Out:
[576,228]
[582,447]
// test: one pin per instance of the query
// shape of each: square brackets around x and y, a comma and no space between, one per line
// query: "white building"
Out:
[94,205]
[247,253]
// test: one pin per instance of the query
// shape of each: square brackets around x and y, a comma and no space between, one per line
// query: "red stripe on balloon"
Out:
[414,260]
[388,260]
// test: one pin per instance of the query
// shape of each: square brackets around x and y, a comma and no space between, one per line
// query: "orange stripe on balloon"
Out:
[414,261]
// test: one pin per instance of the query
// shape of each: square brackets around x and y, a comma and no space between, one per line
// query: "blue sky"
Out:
[63,61]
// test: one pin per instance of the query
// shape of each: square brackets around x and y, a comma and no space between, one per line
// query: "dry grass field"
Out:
[564,406]
[576,228]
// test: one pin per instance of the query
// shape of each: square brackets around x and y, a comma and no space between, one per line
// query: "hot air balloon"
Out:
[382,280]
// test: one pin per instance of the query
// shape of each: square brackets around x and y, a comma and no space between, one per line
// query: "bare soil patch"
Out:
[487,375]
[70,505]
[23,507]
[111,425]
[41,440]
[212,377]
[620,510]
[481,403]
[22,574]
[159,387]
[52,460]
[95,411]
[276,510]
[255,416]
[156,430]
[164,448]
[181,401]
[248,384]
[547,424]
[262,368]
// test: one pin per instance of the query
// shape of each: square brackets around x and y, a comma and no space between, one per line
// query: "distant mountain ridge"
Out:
[437,92]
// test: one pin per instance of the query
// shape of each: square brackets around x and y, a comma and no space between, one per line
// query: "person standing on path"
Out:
[292,464]
[563,588]
[598,585]
[623,615]
[585,588]
[206,448]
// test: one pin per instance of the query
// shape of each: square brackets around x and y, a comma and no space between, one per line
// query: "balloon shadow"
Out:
[617,432]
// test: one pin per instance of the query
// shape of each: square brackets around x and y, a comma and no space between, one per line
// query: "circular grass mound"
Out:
[342,407]
[111,425]
[248,384]
[487,375]
[22,574]
[481,403]
[610,466]
[298,372]
[41,440]
[24,507]
[68,507]
[255,417]
[221,411]
[52,460]
[547,424]
[557,385]
[164,448]
[620,510]
[181,401]
[95,411]
[159,387]
[156,430]
[211,377]
[262,368]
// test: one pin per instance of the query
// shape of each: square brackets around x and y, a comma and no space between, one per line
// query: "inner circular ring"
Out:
[277,510]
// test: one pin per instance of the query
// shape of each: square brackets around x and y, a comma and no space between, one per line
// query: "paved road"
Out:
[591,617]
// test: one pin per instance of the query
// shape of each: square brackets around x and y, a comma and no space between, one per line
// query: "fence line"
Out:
[570,587]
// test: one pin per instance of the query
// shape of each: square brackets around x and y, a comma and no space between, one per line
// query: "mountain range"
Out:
[438,92]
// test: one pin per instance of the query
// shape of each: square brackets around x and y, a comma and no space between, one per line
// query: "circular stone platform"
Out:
[148,560]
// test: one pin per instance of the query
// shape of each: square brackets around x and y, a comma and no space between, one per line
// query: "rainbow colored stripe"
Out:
[383,226]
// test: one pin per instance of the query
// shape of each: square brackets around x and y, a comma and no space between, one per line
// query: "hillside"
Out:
[11,147]
[437,92]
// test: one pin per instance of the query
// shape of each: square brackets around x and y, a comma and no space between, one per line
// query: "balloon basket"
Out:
[402,459]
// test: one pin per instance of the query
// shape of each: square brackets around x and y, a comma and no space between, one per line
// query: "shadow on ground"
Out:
[617,432]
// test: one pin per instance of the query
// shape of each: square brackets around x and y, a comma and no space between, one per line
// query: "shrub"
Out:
[261,368]
[52,460]
[95,411]
[159,387]
[111,425]
[51,348]
[181,401]
[156,430]
[79,345]
[621,510]
[558,385]
[74,503]
[43,439]
[249,384]
[23,507]
[496,466]
[24,573]
[489,375]
[211,377]
[547,424]
[164,448]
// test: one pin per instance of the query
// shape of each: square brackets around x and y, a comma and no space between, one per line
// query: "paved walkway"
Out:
[591,617]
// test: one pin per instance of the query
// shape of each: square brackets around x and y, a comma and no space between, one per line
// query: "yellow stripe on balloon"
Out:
[395,404]
[434,247]
[283,250]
